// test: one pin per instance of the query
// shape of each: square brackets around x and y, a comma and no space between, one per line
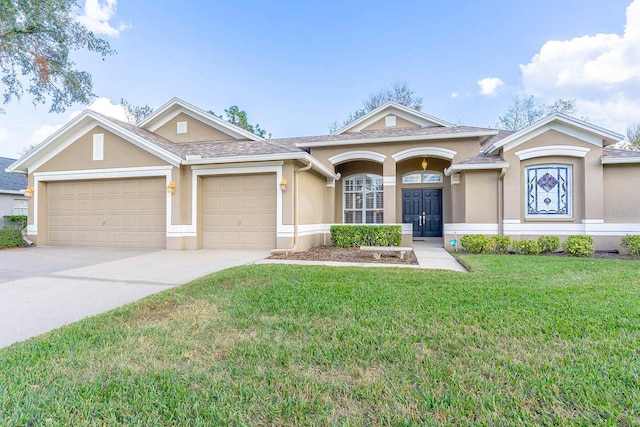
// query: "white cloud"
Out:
[96,16]
[104,106]
[602,72]
[455,95]
[4,133]
[42,133]
[489,85]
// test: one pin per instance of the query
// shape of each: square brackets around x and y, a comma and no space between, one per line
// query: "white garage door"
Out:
[119,213]
[239,212]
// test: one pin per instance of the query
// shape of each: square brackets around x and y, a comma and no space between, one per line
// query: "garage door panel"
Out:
[239,211]
[128,213]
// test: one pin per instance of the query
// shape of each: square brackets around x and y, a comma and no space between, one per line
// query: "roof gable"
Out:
[177,106]
[80,125]
[392,108]
[579,129]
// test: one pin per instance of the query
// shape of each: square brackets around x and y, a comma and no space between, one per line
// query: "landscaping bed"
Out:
[331,253]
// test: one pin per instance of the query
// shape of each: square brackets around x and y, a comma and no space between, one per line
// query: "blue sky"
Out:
[297,66]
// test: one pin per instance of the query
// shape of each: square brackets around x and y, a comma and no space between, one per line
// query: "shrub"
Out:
[350,236]
[476,243]
[631,244]
[548,243]
[579,245]
[19,220]
[10,238]
[500,244]
[526,247]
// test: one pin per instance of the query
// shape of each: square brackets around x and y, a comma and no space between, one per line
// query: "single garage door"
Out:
[239,212]
[119,213]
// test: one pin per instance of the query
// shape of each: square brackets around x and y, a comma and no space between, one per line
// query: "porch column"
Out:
[389,176]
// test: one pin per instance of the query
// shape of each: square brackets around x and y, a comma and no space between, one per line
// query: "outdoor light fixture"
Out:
[283,184]
[424,164]
[29,191]
[171,187]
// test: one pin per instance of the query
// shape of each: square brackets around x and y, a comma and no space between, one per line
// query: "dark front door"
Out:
[423,209]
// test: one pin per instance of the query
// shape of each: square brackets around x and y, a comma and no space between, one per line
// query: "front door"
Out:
[423,209]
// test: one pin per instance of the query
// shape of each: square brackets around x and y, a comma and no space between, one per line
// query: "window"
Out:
[363,199]
[20,206]
[181,127]
[98,146]
[548,190]
[422,177]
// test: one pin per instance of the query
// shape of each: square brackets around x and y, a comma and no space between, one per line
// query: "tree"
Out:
[36,39]
[633,137]
[526,110]
[238,117]
[398,92]
[135,113]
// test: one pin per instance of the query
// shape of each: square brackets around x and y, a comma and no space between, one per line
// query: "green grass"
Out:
[519,341]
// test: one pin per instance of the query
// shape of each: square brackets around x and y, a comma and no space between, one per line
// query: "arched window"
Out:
[422,177]
[363,199]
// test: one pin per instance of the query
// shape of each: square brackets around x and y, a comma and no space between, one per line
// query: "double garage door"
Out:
[122,213]
[238,212]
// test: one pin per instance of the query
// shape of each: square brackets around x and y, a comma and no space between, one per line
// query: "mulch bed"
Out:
[331,253]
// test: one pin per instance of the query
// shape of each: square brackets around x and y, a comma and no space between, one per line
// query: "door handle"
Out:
[420,220]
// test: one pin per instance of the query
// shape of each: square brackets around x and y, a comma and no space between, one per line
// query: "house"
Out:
[12,198]
[185,179]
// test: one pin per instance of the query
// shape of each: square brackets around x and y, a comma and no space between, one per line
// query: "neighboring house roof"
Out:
[576,128]
[395,134]
[618,156]
[390,107]
[11,183]
[176,106]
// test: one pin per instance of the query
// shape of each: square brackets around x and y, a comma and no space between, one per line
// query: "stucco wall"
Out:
[196,130]
[118,153]
[622,193]
[481,201]
[400,123]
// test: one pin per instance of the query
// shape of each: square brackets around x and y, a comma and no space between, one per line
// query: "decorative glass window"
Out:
[363,199]
[422,177]
[20,206]
[548,190]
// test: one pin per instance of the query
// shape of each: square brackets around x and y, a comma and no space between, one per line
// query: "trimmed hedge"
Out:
[631,244]
[476,243]
[19,220]
[526,247]
[10,238]
[579,245]
[500,244]
[548,244]
[354,236]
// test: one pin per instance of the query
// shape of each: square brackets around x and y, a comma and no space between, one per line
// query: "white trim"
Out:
[571,126]
[216,171]
[473,166]
[455,179]
[607,160]
[98,146]
[112,173]
[399,110]
[162,115]
[388,180]
[552,150]
[357,155]
[470,228]
[596,227]
[12,192]
[570,200]
[390,121]
[440,152]
[386,139]
[331,183]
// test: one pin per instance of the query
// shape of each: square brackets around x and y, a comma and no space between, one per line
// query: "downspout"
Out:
[295,212]
[503,172]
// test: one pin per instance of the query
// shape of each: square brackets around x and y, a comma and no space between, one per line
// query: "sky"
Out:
[297,66]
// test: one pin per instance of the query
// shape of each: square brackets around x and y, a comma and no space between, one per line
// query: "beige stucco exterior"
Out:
[481,191]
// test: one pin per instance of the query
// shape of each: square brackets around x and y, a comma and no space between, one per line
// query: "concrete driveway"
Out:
[43,288]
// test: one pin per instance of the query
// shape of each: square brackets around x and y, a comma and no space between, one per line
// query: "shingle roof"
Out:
[235,147]
[11,181]
[617,152]
[482,159]
[502,134]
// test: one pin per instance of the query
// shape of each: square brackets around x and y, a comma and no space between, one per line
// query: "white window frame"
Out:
[422,174]
[528,195]
[21,210]
[376,191]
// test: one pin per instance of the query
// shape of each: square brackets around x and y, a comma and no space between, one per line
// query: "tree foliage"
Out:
[238,117]
[135,113]
[633,137]
[398,92]
[526,110]
[36,40]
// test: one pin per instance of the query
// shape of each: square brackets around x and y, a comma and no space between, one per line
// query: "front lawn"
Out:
[520,340]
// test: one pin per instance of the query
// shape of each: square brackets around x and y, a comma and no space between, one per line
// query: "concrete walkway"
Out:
[51,298]
[429,253]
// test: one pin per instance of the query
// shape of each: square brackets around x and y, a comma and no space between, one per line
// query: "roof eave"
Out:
[477,166]
[458,135]
[610,160]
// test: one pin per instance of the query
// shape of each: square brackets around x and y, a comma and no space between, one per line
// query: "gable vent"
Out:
[390,121]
